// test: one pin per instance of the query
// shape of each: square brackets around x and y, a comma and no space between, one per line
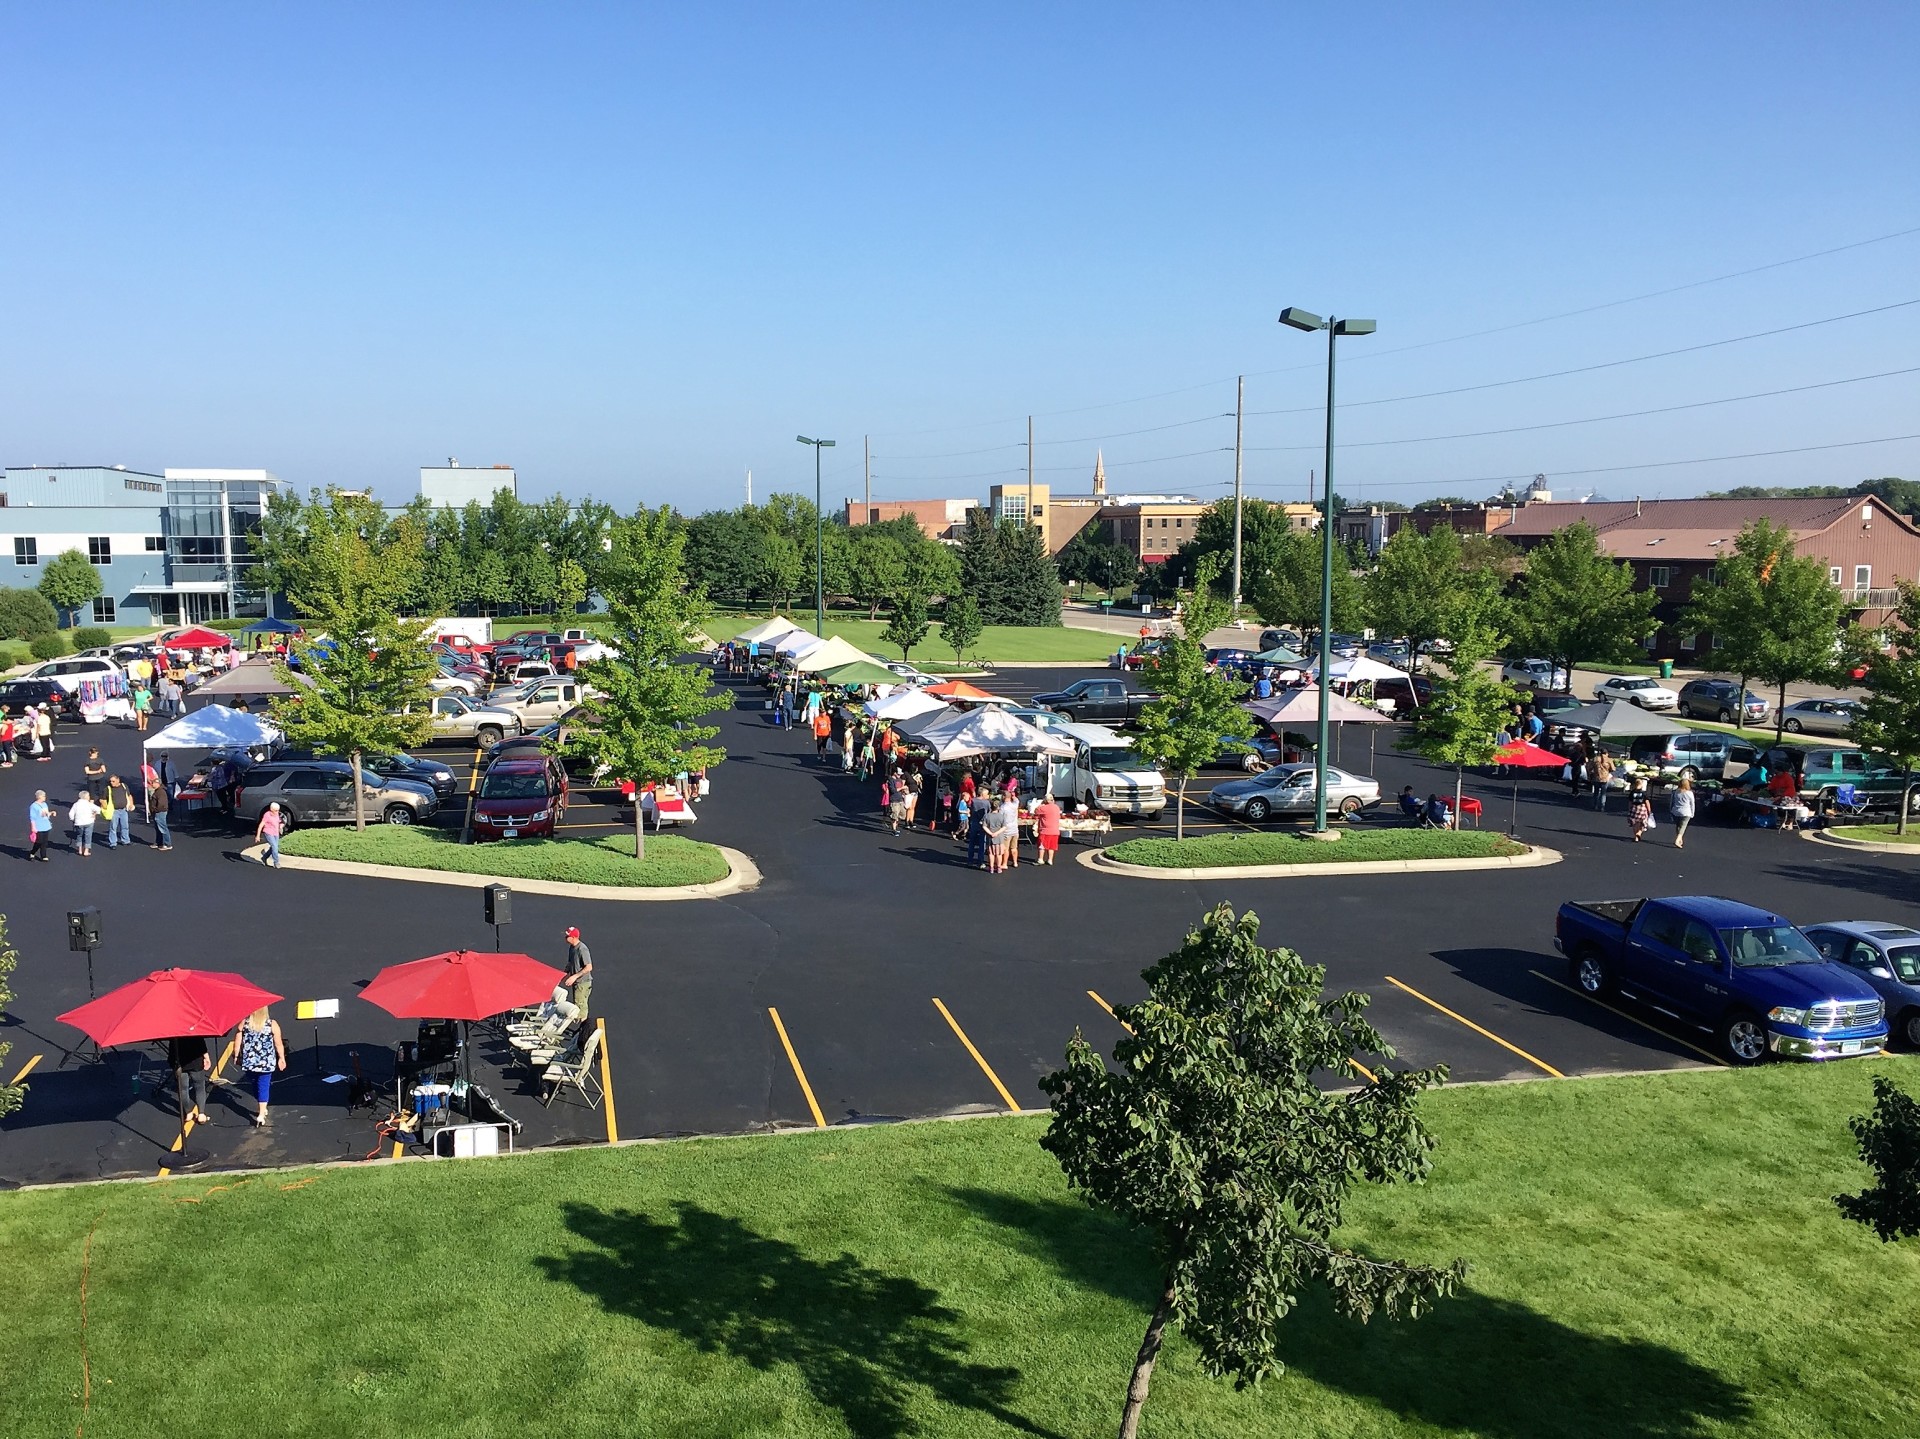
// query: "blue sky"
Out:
[635,251]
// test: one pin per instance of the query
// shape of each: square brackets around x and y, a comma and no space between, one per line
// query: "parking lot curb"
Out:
[1534,858]
[742,875]
[1869,846]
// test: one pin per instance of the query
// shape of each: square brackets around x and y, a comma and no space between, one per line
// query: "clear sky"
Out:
[634,251]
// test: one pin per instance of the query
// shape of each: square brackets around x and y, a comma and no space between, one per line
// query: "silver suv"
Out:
[321,792]
[1695,756]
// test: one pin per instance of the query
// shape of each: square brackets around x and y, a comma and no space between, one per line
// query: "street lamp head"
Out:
[1353,327]
[829,443]
[803,439]
[1301,319]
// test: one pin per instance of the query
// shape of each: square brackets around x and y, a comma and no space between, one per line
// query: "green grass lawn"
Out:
[1651,1258]
[671,858]
[1878,833]
[1007,643]
[1283,847]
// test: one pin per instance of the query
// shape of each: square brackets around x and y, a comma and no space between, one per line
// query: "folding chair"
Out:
[551,1034]
[579,1071]
[1847,800]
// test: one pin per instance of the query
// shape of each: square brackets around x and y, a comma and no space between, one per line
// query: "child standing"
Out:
[1639,811]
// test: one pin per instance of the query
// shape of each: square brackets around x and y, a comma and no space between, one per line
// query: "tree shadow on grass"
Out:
[863,1340]
[1474,1363]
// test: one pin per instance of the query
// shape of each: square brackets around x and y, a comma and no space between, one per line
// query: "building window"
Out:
[1863,577]
[1659,576]
[156,544]
[1689,642]
[1039,510]
[99,550]
[103,611]
[1717,642]
[1833,575]
[26,551]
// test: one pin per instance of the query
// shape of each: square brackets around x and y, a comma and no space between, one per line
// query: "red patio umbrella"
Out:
[198,639]
[462,984]
[167,1004]
[1523,754]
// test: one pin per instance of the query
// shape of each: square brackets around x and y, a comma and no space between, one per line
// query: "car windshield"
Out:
[514,786]
[1906,961]
[1114,757]
[1770,946]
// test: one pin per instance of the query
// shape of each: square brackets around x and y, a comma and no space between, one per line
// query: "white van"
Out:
[72,672]
[1106,772]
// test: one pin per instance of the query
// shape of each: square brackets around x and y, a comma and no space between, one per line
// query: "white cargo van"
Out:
[1106,772]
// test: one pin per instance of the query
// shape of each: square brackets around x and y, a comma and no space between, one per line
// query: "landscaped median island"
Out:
[1649,1257]
[671,859]
[1876,833]
[1355,846]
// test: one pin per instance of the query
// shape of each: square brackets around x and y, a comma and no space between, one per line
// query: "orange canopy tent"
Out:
[959,690]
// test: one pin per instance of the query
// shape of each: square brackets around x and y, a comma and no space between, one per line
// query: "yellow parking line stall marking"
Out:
[1109,1009]
[813,1105]
[1370,1076]
[1485,1033]
[25,1070]
[606,1085]
[978,1058]
[186,1124]
[1631,1019]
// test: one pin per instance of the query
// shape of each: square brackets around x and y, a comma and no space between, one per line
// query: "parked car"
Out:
[456,684]
[1254,753]
[1137,657]
[529,670]
[521,799]
[1549,704]
[1390,652]
[1347,647]
[540,701]
[1721,700]
[1833,717]
[1280,639]
[1699,755]
[1407,694]
[457,717]
[1108,773]
[1640,690]
[73,671]
[1096,702]
[1875,778]
[1535,674]
[1887,957]
[1040,718]
[1229,659]
[321,792]
[1289,789]
[431,773]
[17,694]
[1744,973]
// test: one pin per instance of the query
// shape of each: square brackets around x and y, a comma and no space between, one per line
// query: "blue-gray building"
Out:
[171,548]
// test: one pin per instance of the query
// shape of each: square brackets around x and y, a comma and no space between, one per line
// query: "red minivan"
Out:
[521,799]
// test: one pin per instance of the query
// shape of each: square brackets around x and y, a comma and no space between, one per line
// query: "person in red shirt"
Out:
[1046,829]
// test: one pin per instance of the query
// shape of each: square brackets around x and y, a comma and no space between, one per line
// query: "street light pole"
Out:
[1305,320]
[819,539]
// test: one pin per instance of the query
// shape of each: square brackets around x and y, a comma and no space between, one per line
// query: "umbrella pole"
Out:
[1513,822]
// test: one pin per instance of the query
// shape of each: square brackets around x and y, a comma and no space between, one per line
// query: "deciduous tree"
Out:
[1577,602]
[1459,725]
[1889,1140]
[1417,585]
[1888,721]
[908,626]
[1213,1131]
[960,625]
[1196,708]
[69,582]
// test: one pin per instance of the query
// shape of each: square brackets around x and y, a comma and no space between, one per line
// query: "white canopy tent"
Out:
[215,727]
[796,643]
[1358,670]
[768,632]
[991,731]
[829,654]
[904,703]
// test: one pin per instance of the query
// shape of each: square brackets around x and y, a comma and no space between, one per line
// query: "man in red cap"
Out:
[579,980]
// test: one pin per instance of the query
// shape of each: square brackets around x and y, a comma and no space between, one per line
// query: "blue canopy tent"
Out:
[271,626]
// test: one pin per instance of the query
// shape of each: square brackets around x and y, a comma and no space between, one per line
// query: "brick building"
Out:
[942,519]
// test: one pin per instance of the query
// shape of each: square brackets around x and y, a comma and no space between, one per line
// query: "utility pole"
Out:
[749,488]
[1311,491]
[1029,470]
[1239,420]
[866,446]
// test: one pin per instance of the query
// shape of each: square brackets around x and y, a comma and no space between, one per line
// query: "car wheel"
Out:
[398,814]
[1349,807]
[1686,711]
[1793,726]
[1591,974]
[1743,1038]
[1258,809]
[1907,1029]
[489,735]
[1726,716]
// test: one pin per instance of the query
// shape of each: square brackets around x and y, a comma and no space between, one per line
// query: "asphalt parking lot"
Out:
[870,977]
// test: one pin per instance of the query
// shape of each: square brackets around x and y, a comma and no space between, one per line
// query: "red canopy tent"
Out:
[198,638]
[1522,754]
[167,1004]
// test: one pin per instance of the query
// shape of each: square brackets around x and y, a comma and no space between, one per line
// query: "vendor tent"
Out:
[198,638]
[1279,656]
[768,632]
[215,727]
[831,653]
[272,625]
[796,642]
[1358,670]
[959,690]
[991,731]
[906,703]
[1617,719]
[250,682]
[1302,707]
[859,672]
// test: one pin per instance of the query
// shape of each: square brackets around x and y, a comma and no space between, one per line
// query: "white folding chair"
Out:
[579,1071]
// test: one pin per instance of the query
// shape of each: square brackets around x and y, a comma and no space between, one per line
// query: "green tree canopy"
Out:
[1212,1130]
[1195,708]
[1889,1140]
[1007,570]
[1460,724]
[1577,602]
[1282,582]
[908,626]
[26,614]
[960,625]
[1889,718]
[1093,557]
[1420,584]
[69,582]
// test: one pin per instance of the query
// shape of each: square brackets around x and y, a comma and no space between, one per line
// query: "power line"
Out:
[1156,460]
[1598,419]
[1077,440]
[1602,365]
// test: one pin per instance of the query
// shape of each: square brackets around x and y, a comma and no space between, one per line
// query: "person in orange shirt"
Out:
[822,731]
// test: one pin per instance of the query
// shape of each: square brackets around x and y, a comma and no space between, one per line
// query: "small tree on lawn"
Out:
[646,702]
[362,684]
[909,624]
[1889,1140]
[69,582]
[1459,725]
[11,1095]
[1888,721]
[1577,602]
[1211,1130]
[1196,708]
[960,626]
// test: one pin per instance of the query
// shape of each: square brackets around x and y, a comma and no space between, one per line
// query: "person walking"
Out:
[142,706]
[82,814]
[6,739]
[192,1066]
[996,827]
[1046,830]
[579,980]
[1682,806]
[262,1052]
[268,832]
[979,842]
[43,733]
[95,770]
[39,826]
[157,805]
[822,731]
[119,811]
[1600,771]
[893,797]
[1639,810]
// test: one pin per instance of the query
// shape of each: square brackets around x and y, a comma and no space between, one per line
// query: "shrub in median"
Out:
[92,637]
[48,647]
[1353,847]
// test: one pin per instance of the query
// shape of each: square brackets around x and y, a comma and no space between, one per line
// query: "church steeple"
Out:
[1099,473]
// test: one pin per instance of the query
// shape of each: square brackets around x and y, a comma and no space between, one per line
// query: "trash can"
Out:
[1666,669]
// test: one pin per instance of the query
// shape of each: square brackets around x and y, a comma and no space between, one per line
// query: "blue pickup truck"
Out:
[1744,973]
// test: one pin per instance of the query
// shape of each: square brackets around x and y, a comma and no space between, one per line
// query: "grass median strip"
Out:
[1355,846]
[1633,1245]
[1877,833]
[671,859]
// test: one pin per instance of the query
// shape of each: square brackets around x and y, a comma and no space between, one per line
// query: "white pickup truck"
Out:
[1108,773]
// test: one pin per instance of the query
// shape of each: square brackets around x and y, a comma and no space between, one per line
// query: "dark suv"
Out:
[321,792]
[1720,700]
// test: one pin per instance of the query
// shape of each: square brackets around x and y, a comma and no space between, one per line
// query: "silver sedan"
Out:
[1820,716]
[1288,788]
